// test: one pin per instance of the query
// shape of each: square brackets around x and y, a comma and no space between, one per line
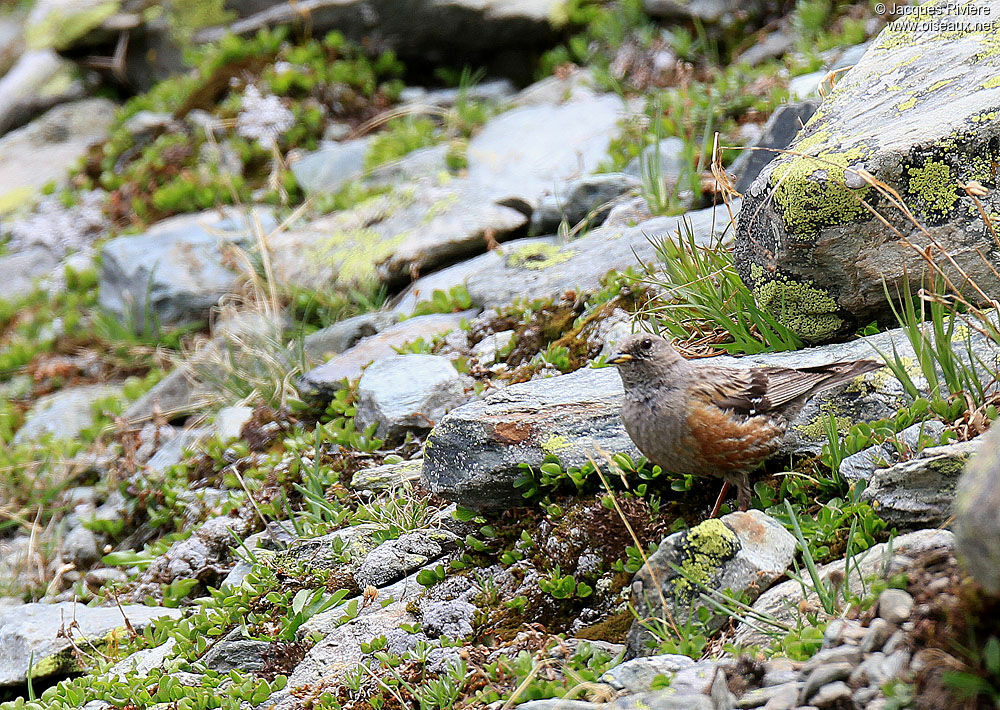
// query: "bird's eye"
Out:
[646,344]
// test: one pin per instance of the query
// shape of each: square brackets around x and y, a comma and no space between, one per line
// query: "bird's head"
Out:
[644,357]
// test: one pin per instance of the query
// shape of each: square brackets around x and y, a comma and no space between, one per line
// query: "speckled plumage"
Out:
[696,417]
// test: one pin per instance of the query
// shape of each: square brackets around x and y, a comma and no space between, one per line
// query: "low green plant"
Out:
[400,136]
[563,586]
[705,298]
[958,379]
[453,300]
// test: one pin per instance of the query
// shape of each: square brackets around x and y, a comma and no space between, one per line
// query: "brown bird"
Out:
[699,418]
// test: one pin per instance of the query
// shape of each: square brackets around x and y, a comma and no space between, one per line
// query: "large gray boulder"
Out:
[977,514]
[474,455]
[918,113]
[176,271]
[740,552]
[31,633]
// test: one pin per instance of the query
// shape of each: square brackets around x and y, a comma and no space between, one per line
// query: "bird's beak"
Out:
[619,358]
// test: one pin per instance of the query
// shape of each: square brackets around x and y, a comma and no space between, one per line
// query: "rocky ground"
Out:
[303,335]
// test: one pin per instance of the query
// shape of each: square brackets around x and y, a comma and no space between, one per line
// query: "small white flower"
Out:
[263,118]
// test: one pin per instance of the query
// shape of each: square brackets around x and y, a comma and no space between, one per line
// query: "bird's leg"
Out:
[743,491]
[722,497]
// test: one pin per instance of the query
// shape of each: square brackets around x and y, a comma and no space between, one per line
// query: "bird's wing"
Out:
[760,390]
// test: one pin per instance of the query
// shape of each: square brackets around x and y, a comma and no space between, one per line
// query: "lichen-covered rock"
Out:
[394,237]
[977,514]
[918,493]
[918,112]
[387,477]
[408,393]
[741,552]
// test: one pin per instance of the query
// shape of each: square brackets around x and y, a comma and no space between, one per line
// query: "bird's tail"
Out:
[838,372]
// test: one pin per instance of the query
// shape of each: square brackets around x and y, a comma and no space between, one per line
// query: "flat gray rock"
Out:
[408,393]
[176,271]
[63,414]
[549,270]
[473,456]
[328,377]
[32,631]
[394,237]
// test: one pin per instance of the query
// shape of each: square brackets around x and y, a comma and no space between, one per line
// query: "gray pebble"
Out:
[824,675]
[779,676]
[842,631]
[895,605]
[897,640]
[832,695]
[869,672]
[879,632]
[861,696]
[763,696]
[839,654]
[786,699]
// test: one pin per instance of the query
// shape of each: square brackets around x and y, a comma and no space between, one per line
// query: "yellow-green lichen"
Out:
[985,117]
[554,444]
[992,83]
[445,204]
[65,23]
[706,547]
[810,191]
[907,104]
[538,256]
[353,254]
[935,186]
[878,381]
[817,428]
[809,311]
